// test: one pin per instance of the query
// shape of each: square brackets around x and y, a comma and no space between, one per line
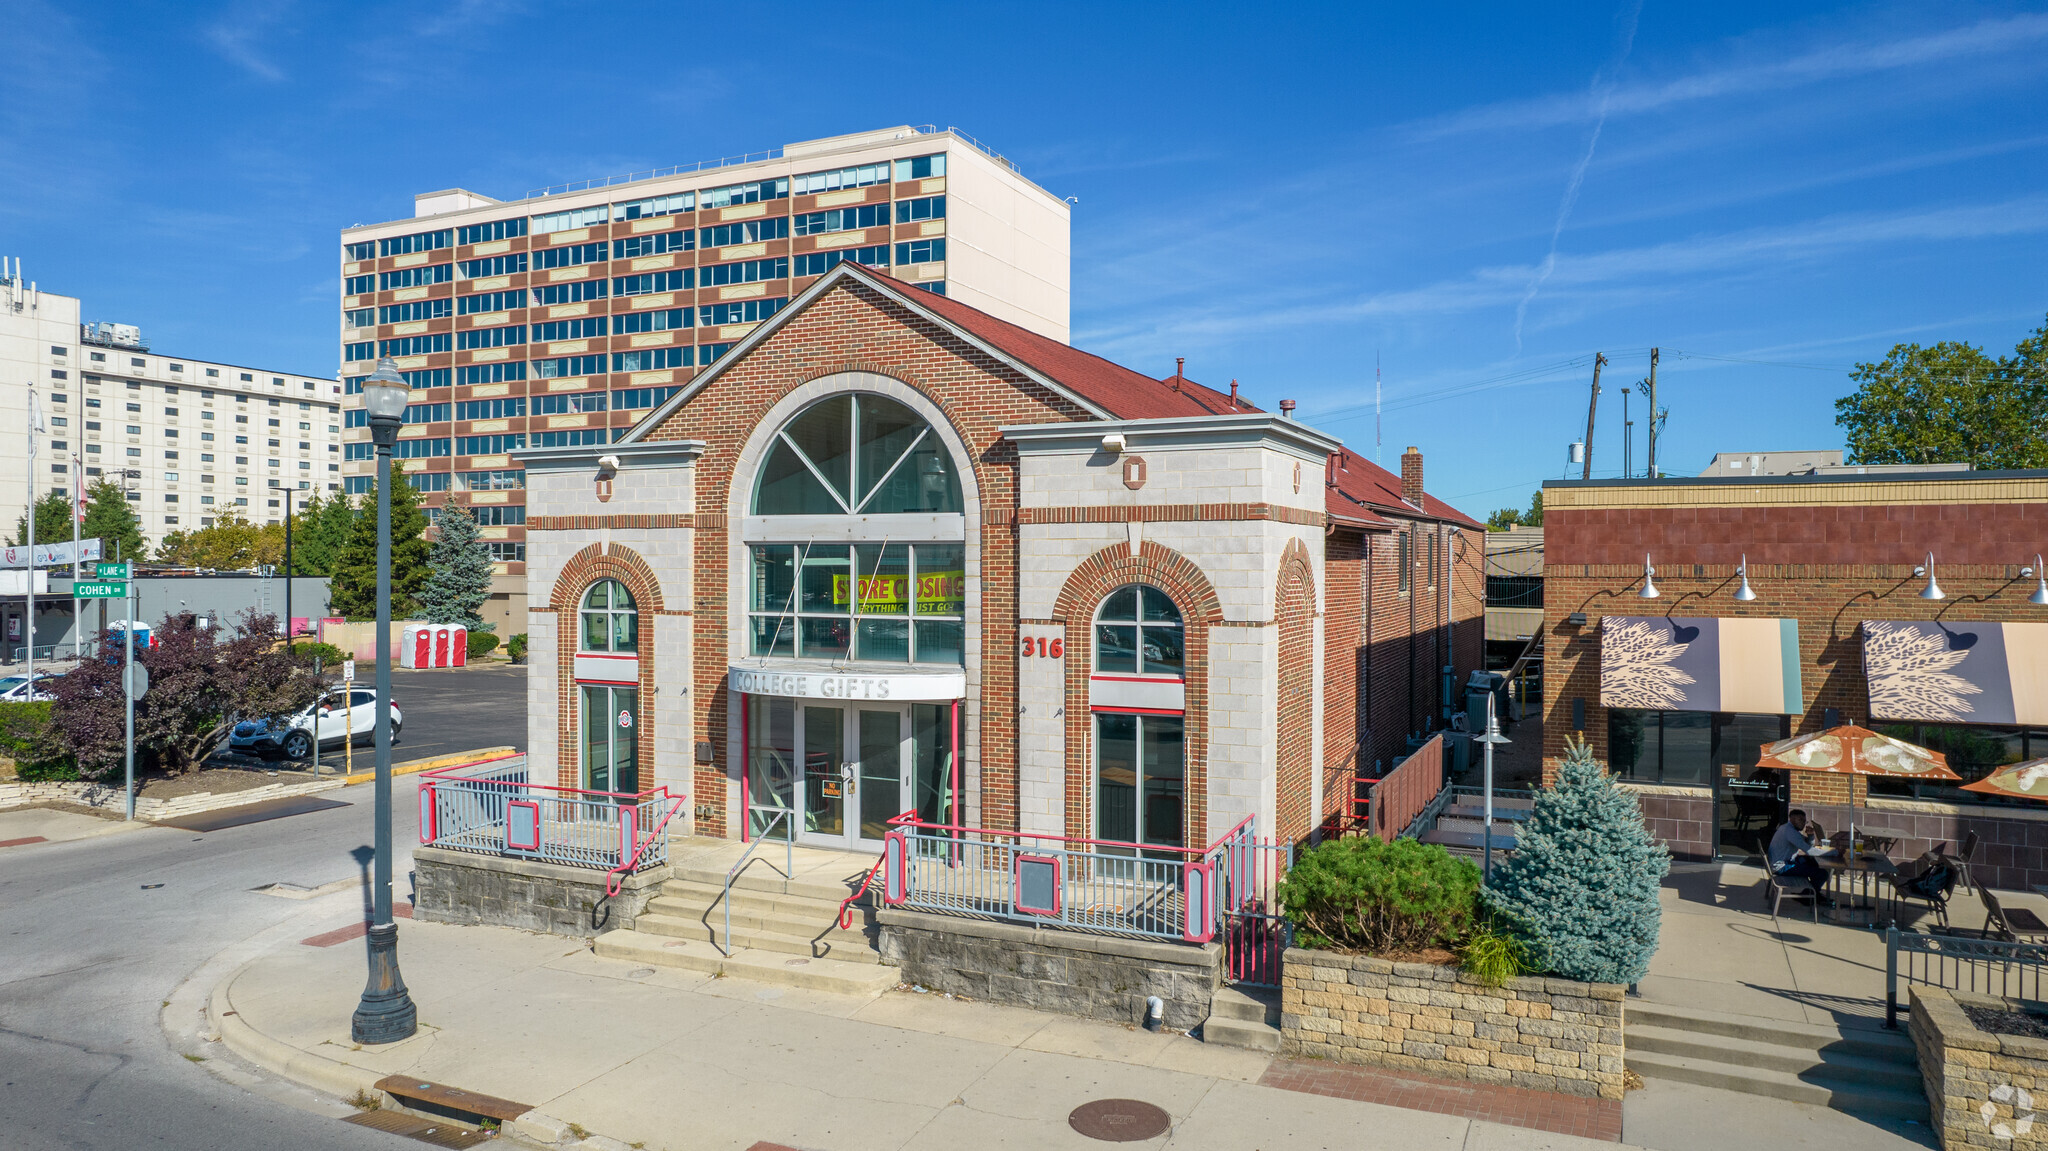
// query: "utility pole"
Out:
[1592,406]
[1655,419]
[28,624]
[1628,438]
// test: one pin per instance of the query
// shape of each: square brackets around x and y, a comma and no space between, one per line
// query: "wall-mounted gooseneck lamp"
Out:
[1932,590]
[1744,593]
[2040,574]
[1649,587]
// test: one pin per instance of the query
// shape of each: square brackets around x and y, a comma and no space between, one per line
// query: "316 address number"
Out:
[1051,649]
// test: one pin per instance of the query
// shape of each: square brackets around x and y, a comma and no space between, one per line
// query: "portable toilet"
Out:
[115,645]
[458,647]
[415,646]
[440,646]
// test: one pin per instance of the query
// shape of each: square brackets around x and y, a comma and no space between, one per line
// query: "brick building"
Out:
[892,552]
[1679,692]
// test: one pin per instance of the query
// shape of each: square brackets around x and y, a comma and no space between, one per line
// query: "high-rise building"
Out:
[188,438]
[559,319]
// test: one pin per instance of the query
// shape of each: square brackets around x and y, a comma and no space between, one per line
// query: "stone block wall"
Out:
[1096,976]
[1981,1087]
[1547,1034]
[464,887]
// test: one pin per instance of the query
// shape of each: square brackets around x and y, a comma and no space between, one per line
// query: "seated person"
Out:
[1789,857]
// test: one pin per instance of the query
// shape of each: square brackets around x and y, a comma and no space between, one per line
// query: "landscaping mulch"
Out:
[2003,1022]
[217,780]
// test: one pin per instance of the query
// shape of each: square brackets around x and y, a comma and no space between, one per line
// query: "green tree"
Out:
[353,592]
[320,531]
[1533,518]
[110,520]
[229,543]
[53,521]
[1584,876]
[1503,519]
[1950,403]
[461,579]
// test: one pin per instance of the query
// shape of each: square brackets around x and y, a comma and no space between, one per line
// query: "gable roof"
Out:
[1098,386]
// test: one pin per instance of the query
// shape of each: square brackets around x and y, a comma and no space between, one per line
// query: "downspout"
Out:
[746,770]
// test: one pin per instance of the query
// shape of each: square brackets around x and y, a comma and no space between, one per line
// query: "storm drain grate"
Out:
[438,1133]
[1119,1120]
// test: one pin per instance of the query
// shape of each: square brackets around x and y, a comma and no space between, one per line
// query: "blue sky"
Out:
[1476,198]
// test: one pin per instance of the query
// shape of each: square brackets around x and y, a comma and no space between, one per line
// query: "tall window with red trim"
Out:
[1140,760]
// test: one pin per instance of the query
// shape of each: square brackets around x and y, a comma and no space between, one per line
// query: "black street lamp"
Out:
[386,1014]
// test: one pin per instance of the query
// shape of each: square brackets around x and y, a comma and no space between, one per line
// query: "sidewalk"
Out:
[673,1060]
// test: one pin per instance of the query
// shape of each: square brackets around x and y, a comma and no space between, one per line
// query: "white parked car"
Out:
[329,721]
[17,689]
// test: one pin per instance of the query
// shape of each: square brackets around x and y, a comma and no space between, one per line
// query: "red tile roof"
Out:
[1359,485]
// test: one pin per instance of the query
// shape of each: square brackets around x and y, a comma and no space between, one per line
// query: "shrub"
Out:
[482,643]
[24,738]
[1360,894]
[330,656]
[516,647]
[1584,876]
[1493,956]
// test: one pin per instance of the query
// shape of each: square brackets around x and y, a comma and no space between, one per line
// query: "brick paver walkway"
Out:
[1519,1106]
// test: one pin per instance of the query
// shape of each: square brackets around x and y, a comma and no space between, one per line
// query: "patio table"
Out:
[1858,879]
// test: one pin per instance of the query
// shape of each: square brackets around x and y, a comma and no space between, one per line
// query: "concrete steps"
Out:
[1851,1068]
[799,922]
[1244,1017]
[865,980]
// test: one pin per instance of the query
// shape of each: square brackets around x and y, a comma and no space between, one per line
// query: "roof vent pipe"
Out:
[1180,364]
[1233,394]
[1287,409]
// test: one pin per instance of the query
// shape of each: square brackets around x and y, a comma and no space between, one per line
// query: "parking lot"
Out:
[451,710]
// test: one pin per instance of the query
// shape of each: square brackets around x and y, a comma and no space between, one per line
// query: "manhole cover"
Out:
[1119,1120]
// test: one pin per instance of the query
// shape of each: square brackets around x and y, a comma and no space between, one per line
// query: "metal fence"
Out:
[1404,794]
[1984,966]
[492,809]
[1106,887]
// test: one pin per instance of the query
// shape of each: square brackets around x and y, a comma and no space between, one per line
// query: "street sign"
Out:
[348,671]
[135,680]
[112,589]
[110,571]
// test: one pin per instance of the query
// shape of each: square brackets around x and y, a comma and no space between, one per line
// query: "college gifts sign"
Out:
[1667,663]
[1958,671]
[802,683]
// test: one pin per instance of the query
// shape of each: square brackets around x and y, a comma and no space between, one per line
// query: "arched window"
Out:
[856,455]
[1138,632]
[610,621]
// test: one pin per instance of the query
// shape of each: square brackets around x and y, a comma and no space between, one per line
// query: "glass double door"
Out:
[611,738]
[853,776]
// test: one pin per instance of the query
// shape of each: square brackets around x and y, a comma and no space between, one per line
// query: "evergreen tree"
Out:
[320,531]
[353,592]
[53,521]
[461,579]
[110,520]
[1584,876]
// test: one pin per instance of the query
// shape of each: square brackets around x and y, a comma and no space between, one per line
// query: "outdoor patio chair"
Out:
[1776,891]
[1967,854]
[1929,880]
[2013,926]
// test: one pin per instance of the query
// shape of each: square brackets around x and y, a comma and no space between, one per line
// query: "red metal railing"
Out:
[1405,792]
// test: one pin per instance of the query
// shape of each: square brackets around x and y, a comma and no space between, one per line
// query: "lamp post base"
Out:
[386,1014]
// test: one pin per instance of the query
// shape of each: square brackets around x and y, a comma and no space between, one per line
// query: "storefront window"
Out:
[1138,632]
[892,603]
[1679,747]
[856,455]
[1973,753]
[1139,784]
[610,620]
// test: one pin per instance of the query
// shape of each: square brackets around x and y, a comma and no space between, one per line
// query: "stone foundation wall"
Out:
[1966,1070]
[1547,1034]
[464,887]
[1090,975]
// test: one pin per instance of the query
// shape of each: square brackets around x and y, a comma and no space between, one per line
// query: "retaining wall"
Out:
[1097,976]
[464,887]
[1548,1034]
[1982,1088]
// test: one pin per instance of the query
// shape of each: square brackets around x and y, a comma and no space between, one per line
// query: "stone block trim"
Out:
[1965,1070]
[1086,587]
[1546,1034]
[586,567]
[468,888]
[1170,513]
[641,520]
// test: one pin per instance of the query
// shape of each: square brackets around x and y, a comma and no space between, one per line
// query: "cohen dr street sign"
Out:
[107,589]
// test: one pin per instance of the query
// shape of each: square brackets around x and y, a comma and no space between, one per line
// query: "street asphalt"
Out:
[92,955]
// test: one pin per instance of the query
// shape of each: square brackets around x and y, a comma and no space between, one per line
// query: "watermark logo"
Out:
[2022,1111]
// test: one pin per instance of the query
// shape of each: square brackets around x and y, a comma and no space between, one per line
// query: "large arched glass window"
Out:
[610,621]
[1138,632]
[856,455]
[893,600]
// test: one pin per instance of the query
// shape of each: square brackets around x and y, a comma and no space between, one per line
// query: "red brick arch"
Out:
[1294,609]
[585,568]
[1087,585]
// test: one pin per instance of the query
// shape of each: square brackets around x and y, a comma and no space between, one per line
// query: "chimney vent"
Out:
[1287,409]
[1233,394]
[1411,476]
[1180,364]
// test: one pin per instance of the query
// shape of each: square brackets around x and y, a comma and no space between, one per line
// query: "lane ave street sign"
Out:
[106,589]
[110,570]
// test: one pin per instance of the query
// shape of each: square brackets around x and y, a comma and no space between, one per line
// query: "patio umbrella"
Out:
[2027,780]
[1852,750]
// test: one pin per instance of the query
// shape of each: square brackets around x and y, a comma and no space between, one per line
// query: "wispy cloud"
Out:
[1985,38]
[238,34]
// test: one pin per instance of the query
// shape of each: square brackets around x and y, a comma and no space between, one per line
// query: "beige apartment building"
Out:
[561,318]
[188,438]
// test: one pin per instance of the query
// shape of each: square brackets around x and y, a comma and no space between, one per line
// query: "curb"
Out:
[334,1077]
[414,766]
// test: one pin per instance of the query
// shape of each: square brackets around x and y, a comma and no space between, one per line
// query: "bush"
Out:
[1493,956]
[1359,894]
[330,656]
[516,648]
[482,643]
[24,738]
